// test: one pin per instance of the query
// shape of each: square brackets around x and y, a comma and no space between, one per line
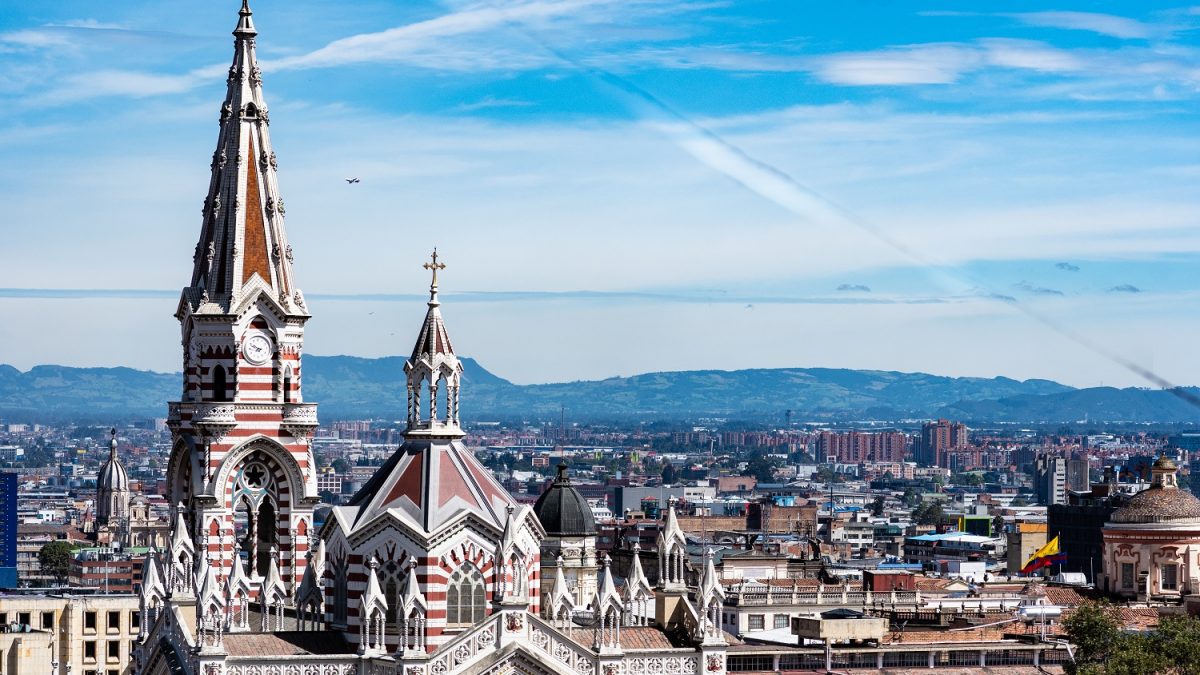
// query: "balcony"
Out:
[299,419]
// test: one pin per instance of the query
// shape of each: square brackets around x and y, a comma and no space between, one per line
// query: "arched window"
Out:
[466,600]
[220,390]
[339,596]
[287,385]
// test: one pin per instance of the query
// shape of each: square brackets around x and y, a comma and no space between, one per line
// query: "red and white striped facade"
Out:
[434,505]
[241,466]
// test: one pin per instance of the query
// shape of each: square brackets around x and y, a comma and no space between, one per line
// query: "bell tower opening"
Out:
[220,390]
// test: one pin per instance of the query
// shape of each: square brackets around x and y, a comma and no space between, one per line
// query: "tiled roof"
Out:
[632,637]
[291,643]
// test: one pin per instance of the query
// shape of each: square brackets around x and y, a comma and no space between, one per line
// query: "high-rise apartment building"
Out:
[8,530]
[937,439]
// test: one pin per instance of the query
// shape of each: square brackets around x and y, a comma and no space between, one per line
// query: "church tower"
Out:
[241,472]
[432,512]
[112,498]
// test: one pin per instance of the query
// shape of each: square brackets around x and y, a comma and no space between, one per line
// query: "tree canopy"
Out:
[55,559]
[1103,648]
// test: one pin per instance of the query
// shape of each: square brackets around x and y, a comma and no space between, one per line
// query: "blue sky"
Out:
[618,187]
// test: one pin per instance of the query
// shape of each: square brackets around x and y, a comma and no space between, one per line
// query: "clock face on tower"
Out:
[257,349]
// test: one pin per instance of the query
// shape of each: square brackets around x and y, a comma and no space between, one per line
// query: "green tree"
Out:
[761,467]
[340,465]
[877,506]
[1094,629]
[1178,637]
[669,474]
[1137,655]
[55,559]
[929,513]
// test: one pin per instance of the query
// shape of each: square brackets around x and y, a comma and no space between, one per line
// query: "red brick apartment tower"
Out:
[241,471]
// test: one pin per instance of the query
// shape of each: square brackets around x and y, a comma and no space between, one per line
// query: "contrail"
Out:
[779,187]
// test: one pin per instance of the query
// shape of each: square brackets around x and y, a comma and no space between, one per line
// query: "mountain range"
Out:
[349,387]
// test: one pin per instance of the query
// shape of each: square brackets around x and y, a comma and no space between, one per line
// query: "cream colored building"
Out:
[1152,544]
[59,634]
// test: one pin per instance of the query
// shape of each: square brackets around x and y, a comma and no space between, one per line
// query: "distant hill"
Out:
[354,387]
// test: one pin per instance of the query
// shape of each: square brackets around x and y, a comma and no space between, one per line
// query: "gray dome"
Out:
[112,476]
[564,512]
[1158,505]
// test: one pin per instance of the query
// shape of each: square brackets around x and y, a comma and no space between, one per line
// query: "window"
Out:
[781,621]
[47,620]
[114,651]
[339,596]
[1126,575]
[757,622]
[23,618]
[89,650]
[135,620]
[114,622]
[220,387]
[465,598]
[89,621]
[1170,577]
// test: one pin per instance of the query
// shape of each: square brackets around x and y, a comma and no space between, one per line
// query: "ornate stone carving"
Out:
[274,163]
[288,253]
[275,252]
[270,206]
[256,76]
[514,623]
[715,663]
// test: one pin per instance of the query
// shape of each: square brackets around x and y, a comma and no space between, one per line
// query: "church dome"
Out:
[1159,504]
[563,511]
[112,476]
[1164,502]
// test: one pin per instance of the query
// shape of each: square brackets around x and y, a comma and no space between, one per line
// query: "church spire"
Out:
[434,372]
[243,246]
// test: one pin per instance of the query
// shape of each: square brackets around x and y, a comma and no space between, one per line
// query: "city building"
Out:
[112,499]
[1150,549]
[1050,479]
[74,632]
[8,529]
[937,440]
[569,546]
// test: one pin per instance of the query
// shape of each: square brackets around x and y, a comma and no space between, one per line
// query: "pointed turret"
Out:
[412,613]
[243,246]
[560,606]
[181,557]
[609,611]
[434,372]
[637,593]
[710,601]
[672,552]
[411,596]
[153,593]
[372,607]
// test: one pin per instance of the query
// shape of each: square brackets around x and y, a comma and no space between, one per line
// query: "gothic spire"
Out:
[243,245]
[434,372]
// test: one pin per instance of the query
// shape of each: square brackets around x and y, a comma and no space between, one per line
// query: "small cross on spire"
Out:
[434,266]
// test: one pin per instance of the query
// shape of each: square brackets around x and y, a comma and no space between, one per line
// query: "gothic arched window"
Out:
[220,387]
[339,596]
[466,600]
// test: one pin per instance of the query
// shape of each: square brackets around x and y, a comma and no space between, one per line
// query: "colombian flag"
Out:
[1045,557]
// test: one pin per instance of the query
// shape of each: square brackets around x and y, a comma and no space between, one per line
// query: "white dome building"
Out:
[1152,544]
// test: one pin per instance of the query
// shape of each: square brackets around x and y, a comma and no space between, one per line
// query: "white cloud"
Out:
[1104,24]
[917,64]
